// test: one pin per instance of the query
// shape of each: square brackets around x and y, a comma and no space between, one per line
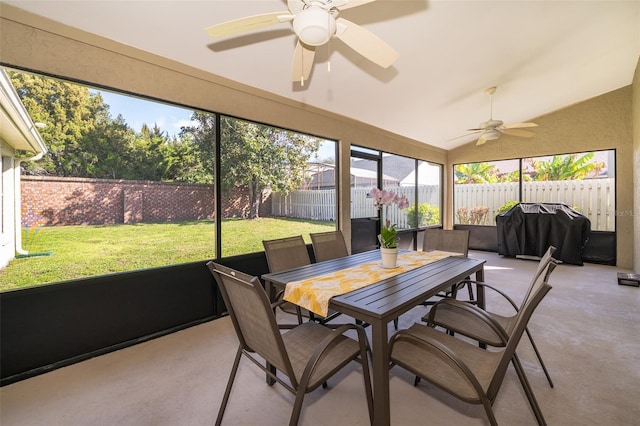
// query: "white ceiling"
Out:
[542,55]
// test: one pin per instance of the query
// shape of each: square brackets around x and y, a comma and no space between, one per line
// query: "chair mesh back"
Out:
[546,258]
[545,267]
[286,253]
[251,314]
[541,279]
[328,245]
[539,289]
[455,240]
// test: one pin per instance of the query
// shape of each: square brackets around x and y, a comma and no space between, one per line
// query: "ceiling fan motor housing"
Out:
[491,124]
[314,25]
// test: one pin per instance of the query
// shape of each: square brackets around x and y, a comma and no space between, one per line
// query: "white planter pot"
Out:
[389,257]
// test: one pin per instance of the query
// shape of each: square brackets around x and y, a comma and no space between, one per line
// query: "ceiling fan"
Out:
[315,22]
[493,129]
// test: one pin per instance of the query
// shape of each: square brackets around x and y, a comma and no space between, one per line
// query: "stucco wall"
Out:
[636,168]
[600,123]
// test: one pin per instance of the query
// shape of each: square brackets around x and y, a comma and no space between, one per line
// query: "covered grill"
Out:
[530,228]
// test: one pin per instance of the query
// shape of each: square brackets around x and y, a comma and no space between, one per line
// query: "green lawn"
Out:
[71,252]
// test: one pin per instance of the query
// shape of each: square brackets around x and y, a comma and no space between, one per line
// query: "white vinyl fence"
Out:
[308,204]
[321,204]
[594,198]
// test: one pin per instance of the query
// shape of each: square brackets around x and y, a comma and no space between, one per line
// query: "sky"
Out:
[170,119]
[137,112]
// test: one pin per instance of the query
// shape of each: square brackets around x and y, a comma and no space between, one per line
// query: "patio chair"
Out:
[453,240]
[463,318]
[462,369]
[308,355]
[287,253]
[456,241]
[328,245]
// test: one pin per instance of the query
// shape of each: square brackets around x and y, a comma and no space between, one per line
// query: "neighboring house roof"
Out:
[323,176]
[428,174]
[16,128]
[394,166]
[399,169]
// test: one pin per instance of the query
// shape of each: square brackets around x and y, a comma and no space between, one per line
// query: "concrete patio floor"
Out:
[587,330]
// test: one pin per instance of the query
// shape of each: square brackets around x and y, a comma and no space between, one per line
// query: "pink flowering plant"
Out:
[382,198]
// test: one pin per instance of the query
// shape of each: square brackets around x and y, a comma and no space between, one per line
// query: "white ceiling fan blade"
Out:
[463,136]
[518,132]
[519,125]
[353,3]
[249,23]
[366,43]
[302,62]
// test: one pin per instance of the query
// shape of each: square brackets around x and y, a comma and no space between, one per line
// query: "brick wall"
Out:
[235,203]
[50,201]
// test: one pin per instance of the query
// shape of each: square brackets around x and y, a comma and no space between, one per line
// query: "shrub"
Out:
[475,216]
[506,207]
[427,215]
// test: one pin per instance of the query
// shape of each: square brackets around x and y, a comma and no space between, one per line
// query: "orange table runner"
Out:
[314,293]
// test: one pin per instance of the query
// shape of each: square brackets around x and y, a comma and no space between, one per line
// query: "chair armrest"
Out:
[441,350]
[277,303]
[491,287]
[325,345]
[469,309]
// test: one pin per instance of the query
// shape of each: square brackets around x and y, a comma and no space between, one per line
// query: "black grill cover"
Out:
[530,228]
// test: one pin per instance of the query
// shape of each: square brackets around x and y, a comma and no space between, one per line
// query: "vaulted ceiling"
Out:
[542,55]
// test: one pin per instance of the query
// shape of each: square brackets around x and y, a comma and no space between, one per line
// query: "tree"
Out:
[69,112]
[253,155]
[514,176]
[476,173]
[566,167]
[146,154]
[260,156]
[198,143]
[85,141]
[183,162]
[108,151]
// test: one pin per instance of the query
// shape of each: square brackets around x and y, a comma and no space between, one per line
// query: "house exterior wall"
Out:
[7,209]
[17,133]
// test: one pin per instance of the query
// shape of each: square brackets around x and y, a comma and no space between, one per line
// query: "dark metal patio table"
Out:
[379,303]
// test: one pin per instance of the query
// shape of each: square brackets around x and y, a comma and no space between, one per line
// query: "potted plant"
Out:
[388,233]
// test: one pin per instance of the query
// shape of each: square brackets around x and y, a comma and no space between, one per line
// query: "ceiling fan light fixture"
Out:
[314,26]
[490,134]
